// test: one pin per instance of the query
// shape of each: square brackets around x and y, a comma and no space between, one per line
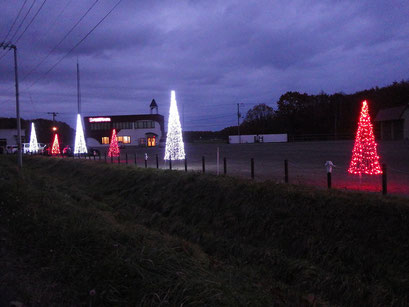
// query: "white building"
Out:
[9,137]
[142,130]
[258,138]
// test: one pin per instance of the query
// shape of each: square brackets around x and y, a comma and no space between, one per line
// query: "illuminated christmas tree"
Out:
[365,159]
[113,146]
[55,149]
[80,145]
[33,140]
[175,149]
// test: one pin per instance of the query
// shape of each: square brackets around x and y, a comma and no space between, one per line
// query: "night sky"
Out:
[213,53]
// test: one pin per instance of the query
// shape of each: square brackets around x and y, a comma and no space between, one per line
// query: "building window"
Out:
[122,125]
[124,139]
[142,141]
[100,126]
[105,140]
[151,141]
[144,124]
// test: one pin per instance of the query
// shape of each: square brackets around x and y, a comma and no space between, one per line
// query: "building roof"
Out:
[394,113]
[153,104]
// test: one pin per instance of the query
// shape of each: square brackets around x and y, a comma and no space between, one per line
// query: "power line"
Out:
[31,21]
[21,23]
[59,43]
[18,28]
[51,27]
[15,20]
[73,48]
[76,45]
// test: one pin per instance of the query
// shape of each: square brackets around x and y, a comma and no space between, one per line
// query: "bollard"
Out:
[203,164]
[329,165]
[286,171]
[252,168]
[329,180]
[384,180]
[157,161]
[126,158]
[135,159]
[185,164]
[146,163]
[95,157]
[119,158]
[105,157]
[224,166]
[170,163]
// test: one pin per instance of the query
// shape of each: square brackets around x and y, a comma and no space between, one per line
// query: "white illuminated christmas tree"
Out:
[80,145]
[33,140]
[175,149]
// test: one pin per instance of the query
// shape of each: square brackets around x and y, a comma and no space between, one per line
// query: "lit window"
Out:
[120,138]
[126,139]
[105,140]
[151,141]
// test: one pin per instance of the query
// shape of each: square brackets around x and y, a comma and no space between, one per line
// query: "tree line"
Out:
[325,115]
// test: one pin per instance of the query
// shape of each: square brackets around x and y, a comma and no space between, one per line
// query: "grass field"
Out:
[76,232]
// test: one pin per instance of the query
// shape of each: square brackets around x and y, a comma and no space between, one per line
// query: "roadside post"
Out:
[286,171]
[384,180]
[329,165]
[203,164]
[252,168]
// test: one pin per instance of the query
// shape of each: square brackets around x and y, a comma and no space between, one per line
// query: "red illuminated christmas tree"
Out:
[55,149]
[113,146]
[365,159]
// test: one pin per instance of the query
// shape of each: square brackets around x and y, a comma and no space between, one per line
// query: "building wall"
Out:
[9,136]
[136,128]
[137,134]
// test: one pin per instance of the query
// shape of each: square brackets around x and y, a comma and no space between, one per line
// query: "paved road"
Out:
[306,162]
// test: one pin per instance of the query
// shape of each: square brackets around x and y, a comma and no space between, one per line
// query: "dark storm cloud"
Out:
[213,53]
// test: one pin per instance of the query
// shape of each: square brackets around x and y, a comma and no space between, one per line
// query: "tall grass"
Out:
[144,236]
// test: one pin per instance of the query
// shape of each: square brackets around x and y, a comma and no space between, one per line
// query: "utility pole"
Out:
[238,122]
[54,114]
[5,45]
[78,88]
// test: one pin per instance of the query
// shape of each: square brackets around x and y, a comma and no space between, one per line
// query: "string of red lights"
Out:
[365,159]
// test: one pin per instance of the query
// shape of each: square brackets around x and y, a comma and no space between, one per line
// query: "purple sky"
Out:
[213,53]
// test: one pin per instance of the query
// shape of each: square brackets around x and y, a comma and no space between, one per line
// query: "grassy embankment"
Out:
[151,237]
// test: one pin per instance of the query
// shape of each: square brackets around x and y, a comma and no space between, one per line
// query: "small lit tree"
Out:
[365,159]
[175,149]
[33,140]
[55,149]
[113,146]
[80,145]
